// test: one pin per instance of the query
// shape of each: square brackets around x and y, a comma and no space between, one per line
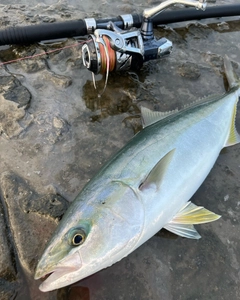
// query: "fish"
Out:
[145,187]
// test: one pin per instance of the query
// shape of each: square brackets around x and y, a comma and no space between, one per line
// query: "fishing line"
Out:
[106,52]
[40,54]
[111,56]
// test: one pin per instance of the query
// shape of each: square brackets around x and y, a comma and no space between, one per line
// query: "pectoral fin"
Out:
[182,223]
[156,175]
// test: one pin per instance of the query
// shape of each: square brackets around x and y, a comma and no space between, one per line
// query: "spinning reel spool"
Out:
[114,49]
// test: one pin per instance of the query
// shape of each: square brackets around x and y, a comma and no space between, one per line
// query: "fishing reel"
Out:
[114,49]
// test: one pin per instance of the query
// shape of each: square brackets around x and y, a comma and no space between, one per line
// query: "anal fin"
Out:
[187,231]
[182,223]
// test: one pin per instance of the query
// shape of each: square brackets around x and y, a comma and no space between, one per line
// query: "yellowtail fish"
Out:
[146,186]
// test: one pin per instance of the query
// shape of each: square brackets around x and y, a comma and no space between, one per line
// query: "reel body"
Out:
[126,50]
[113,49]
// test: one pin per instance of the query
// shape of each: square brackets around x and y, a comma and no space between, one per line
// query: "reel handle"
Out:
[152,12]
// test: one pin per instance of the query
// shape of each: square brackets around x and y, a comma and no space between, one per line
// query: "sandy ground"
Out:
[56,134]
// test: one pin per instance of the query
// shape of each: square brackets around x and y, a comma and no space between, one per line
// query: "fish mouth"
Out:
[56,277]
[44,277]
[53,280]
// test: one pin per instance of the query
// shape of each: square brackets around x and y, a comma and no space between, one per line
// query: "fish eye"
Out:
[78,237]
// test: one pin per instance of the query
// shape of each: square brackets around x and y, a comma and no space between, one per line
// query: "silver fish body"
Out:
[146,186]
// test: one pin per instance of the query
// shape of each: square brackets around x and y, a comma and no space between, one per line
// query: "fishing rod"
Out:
[36,33]
[119,43]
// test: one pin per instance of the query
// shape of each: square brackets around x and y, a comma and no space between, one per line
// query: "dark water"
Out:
[166,267]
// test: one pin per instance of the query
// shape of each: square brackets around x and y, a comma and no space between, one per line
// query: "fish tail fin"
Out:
[233,137]
[234,83]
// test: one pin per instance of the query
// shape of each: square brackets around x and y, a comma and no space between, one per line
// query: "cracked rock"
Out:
[14,98]
[7,290]
[7,261]
[51,204]
[58,80]
[189,70]
[19,199]
[7,270]
[12,90]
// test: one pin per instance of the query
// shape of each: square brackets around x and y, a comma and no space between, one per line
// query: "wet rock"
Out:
[14,98]
[60,129]
[127,8]
[12,90]
[189,70]
[13,119]
[214,60]
[134,123]
[4,21]
[8,274]
[21,198]
[24,58]
[33,65]
[223,26]
[60,126]
[197,30]
[66,15]
[53,128]
[51,204]
[47,19]
[7,270]
[7,290]
[30,201]
[59,80]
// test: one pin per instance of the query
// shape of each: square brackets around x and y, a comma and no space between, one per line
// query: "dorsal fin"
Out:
[149,116]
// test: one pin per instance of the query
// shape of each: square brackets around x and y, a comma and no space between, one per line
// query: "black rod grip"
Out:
[40,32]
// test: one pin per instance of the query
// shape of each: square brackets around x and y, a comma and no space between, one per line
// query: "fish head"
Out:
[90,238]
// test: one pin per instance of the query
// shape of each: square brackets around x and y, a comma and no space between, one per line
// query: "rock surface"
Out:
[56,133]
[8,275]
[14,99]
